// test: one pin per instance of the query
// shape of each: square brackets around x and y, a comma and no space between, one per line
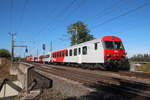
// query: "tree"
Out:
[79,33]
[141,57]
[4,53]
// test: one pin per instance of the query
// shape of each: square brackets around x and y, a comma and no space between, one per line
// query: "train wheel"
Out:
[101,66]
[124,65]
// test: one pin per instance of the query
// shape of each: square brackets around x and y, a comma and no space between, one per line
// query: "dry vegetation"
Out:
[4,67]
[144,67]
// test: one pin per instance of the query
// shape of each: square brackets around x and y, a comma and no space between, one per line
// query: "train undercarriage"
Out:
[113,65]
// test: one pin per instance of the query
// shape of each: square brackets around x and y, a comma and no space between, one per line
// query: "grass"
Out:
[144,68]
[12,77]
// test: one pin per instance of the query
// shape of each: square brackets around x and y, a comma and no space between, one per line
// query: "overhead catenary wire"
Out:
[22,15]
[70,14]
[121,15]
[58,15]
[107,9]
[116,6]
[74,10]
[11,16]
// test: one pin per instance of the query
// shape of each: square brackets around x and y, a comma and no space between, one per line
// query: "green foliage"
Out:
[141,57]
[17,58]
[82,33]
[4,53]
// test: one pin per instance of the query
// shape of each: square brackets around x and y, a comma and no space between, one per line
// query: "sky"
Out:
[43,21]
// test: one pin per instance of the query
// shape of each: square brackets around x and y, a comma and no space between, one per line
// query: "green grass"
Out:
[12,77]
[144,67]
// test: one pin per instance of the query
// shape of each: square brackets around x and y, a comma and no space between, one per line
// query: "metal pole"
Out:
[37,55]
[12,48]
[76,32]
[37,52]
[51,47]
[12,45]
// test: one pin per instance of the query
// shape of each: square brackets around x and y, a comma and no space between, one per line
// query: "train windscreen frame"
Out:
[113,45]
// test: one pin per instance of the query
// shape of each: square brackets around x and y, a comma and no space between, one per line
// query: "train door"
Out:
[79,57]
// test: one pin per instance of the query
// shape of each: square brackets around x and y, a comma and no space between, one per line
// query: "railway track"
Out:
[120,86]
[121,73]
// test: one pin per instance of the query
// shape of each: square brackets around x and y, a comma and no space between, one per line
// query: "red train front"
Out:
[114,52]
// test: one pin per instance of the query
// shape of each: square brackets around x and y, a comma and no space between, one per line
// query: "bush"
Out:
[5,53]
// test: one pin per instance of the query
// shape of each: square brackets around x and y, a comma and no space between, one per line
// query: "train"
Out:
[106,53]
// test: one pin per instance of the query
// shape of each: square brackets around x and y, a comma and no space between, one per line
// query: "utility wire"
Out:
[105,10]
[58,15]
[115,7]
[123,14]
[80,4]
[11,16]
[22,15]
[74,10]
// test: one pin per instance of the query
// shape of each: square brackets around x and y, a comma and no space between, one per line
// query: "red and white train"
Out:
[106,53]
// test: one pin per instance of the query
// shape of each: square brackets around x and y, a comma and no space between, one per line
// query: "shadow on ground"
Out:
[107,93]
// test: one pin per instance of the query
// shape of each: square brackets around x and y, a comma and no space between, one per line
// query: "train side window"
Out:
[56,54]
[59,54]
[79,51]
[67,53]
[75,51]
[63,53]
[70,53]
[84,50]
[95,46]
[47,56]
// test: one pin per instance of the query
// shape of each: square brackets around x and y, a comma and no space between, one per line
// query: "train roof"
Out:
[110,38]
[104,38]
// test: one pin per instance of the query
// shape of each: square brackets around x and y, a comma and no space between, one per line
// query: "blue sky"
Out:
[43,21]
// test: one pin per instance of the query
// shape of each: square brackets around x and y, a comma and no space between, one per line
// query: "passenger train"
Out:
[105,53]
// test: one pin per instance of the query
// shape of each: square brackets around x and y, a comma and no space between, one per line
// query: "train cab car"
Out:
[114,52]
[105,51]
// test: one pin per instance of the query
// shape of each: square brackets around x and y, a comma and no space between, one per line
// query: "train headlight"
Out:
[108,55]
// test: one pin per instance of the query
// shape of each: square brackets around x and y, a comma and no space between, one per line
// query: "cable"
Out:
[123,14]
[113,8]
[105,10]
[22,15]
[58,15]
[75,9]
[11,15]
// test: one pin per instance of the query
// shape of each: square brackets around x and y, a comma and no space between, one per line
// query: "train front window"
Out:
[118,45]
[113,45]
[109,44]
